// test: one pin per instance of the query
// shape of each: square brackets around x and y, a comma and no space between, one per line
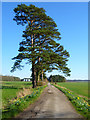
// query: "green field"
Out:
[80,88]
[13,104]
[11,88]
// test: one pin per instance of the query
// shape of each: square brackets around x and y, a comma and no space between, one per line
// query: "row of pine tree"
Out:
[40,45]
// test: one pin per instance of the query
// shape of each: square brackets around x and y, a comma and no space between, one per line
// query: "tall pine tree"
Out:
[38,45]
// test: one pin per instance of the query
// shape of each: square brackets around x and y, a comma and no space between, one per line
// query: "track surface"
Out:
[51,104]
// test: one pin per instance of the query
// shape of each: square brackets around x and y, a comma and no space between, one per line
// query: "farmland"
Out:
[16,96]
[15,102]
[80,88]
[81,104]
[10,90]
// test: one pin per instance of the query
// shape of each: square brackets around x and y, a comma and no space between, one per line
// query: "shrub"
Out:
[40,83]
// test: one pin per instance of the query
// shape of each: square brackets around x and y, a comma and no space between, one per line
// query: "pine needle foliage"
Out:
[39,46]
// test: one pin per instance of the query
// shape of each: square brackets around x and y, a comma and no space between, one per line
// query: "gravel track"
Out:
[51,104]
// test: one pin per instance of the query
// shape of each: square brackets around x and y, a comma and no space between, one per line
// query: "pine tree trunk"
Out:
[42,75]
[38,77]
[39,62]
[33,65]
[33,76]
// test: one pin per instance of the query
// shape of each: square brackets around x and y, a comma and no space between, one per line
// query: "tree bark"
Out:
[39,62]
[33,65]
[38,77]
[33,76]
[42,75]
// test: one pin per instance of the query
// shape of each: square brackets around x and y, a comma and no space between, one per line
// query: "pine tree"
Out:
[38,45]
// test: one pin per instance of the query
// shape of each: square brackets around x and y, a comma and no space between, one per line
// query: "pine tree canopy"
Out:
[39,45]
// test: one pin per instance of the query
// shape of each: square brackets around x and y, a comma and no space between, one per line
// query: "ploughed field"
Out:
[11,89]
[80,88]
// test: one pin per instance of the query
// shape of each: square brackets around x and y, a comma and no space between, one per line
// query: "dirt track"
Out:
[52,104]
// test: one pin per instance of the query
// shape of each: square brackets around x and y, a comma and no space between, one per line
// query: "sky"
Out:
[72,21]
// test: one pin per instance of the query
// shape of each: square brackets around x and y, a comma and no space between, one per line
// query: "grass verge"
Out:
[19,104]
[10,89]
[79,103]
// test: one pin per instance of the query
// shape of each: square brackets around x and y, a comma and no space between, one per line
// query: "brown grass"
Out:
[24,92]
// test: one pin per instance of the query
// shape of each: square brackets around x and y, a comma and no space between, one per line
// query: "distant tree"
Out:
[57,78]
[9,78]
